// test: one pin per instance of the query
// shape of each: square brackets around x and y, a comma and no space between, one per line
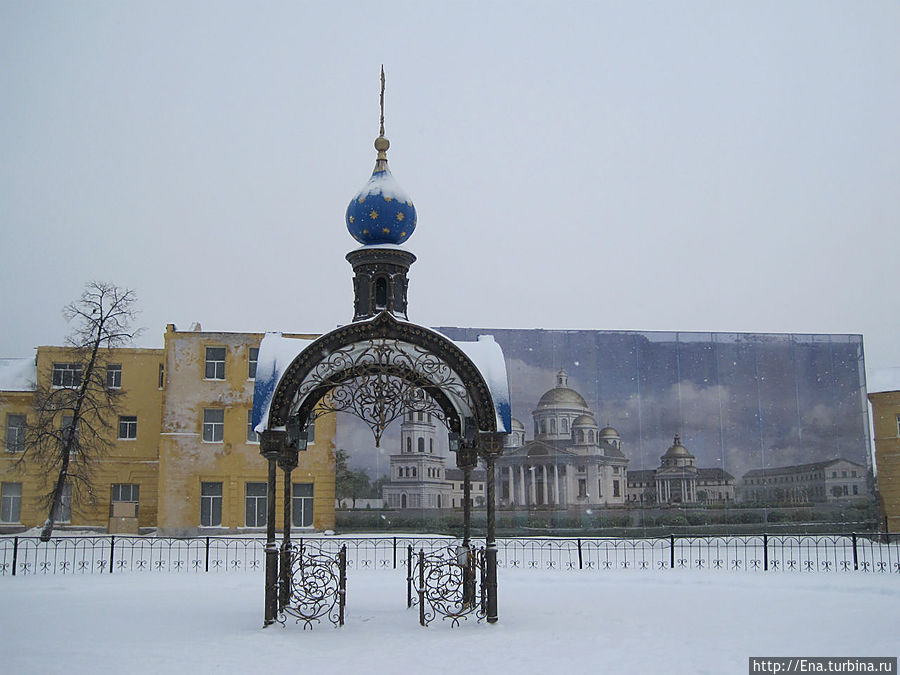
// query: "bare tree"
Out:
[76,411]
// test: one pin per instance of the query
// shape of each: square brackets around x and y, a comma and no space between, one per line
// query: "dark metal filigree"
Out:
[388,347]
[389,380]
[449,583]
[318,586]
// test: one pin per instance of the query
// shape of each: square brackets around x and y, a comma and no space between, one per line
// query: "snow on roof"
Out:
[276,353]
[17,375]
[883,379]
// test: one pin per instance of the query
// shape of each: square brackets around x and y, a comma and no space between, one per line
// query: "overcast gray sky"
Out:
[713,166]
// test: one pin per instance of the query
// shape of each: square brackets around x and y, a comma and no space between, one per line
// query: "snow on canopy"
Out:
[487,355]
[276,353]
[17,375]
[884,379]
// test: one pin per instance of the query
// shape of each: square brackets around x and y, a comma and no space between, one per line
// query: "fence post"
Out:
[672,551]
[342,563]
[765,553]
[421,587]
[855,555]
[207,554]
[395,552]
[112,552]
[580,565]
[409,576]
[15,554]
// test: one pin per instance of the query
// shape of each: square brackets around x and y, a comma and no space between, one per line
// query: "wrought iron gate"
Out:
[316,586]
[449,583]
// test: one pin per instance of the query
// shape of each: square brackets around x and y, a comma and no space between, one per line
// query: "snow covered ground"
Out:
[666,621]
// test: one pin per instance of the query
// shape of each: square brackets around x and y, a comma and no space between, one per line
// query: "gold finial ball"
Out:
[382,144]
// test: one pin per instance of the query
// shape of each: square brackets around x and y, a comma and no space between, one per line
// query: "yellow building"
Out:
[884,396]
[214,477]
[183,458]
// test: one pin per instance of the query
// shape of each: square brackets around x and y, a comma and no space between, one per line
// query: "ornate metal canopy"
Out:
[376,371]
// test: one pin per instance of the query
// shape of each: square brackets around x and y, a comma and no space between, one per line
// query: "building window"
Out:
[898,425]
[302,505]
[615,488]
[582,487]
[66,430]
[600,489]
[15,433]
[64,508]
[66,374]
[210,504]
[254,357]
[552,426]
[127,427]
[213,425]
[565,426]
[10,502]
[255,504]
[252,436]
[215,363]
[408,444]
[162,376]
[124,493]
[114,376]
[420,444]
[431,445]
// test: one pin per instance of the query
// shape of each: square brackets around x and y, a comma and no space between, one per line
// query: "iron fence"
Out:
[873,553]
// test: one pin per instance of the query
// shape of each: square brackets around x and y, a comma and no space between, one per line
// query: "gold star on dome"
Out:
[373,214]
[365,232]
[400,216]
[386,230]
[352,218]
[361,200]
[403,234]
[388,199]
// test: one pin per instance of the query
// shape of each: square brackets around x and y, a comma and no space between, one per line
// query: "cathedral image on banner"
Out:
[653,419]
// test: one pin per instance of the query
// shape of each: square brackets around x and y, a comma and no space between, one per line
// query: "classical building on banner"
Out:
[829,481]
[420,478]
[678,480]
[184,457]
[569,462]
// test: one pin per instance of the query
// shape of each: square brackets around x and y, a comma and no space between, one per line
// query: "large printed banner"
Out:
[760,418]
[738,401]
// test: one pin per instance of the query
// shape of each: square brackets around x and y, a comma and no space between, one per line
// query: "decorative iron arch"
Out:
[380,348]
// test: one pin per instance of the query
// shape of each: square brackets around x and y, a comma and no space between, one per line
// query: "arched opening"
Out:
[380,293]
[403,501]
[421,444]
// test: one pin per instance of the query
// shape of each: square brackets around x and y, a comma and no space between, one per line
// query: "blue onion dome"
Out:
[381,213]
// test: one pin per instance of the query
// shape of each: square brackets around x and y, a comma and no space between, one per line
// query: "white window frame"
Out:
[302,505]
[252,361]
[128,423]
[211,503]
[214,368]
[66,375]
[255,505]
[213,430]
[15,433]
[114,376]
[64,508]
[252,436]
[68,421]
[10,503]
